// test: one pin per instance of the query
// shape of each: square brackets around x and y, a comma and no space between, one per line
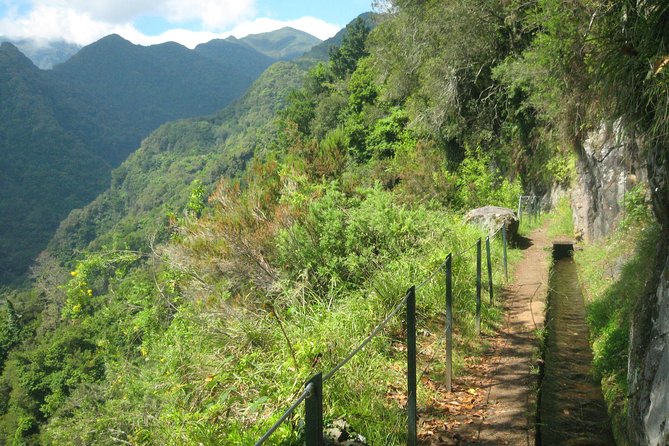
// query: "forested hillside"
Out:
[188,304]
[179,159]
[99,105]
[282,44]
[44,170]
[133,89]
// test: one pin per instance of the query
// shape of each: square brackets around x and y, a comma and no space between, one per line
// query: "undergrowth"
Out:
[561,222]
[227,364]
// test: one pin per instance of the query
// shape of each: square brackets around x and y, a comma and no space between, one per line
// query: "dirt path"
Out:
[511,407]
[494,401]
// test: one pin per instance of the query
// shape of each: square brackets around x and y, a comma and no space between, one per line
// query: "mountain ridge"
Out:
[100,103]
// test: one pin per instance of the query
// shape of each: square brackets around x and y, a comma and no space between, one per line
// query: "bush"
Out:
[479,184]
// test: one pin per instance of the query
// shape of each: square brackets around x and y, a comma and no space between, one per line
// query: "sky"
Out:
[188,22]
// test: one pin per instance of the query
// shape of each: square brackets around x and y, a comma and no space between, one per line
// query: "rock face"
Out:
[491,218]
[648,370]
[608,166]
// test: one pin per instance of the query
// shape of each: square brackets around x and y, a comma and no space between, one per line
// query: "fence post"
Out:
[504,241]
[489,261]
[449,322]
[478,286]
[520,209]
[313,412]
[412,434]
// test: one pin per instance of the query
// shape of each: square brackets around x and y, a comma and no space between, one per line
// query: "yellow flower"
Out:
[73,273]
[90,292]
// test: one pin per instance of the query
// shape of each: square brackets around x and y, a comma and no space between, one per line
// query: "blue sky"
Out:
[188,22]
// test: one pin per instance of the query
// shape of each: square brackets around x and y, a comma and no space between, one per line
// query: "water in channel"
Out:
[571,407]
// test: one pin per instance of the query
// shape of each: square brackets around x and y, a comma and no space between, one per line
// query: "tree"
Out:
[344,59]
[9,329]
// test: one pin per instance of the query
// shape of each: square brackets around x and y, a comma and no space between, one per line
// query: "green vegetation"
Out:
[230,304]
[150,190]
[561,223]
[282,44]
[613,273]
[64,129]
[331,188]
[130,90]
[44,171]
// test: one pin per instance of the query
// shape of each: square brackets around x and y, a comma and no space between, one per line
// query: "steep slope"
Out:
[320,52]
[136,88]
[44,55]
[233,51]
[44,170]
[311,235]
[156,180]
[285,43]
[100,104]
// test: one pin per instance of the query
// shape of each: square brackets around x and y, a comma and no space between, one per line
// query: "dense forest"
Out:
[234,255]
[64,129]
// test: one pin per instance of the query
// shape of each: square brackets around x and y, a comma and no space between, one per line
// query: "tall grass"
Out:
[561,223]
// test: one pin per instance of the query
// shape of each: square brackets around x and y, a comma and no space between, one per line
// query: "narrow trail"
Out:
[511,399]
[502,384]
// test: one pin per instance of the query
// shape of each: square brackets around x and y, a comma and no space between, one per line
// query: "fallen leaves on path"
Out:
[454,418]
[449,418]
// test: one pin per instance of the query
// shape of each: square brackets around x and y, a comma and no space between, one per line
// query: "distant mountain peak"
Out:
[44,54]
[8,46]
[113,39]
[284,44]
[10,54]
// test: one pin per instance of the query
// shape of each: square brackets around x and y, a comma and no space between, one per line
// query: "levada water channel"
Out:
[571,407]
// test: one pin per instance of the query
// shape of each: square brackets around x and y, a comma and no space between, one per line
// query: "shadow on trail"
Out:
[521,242]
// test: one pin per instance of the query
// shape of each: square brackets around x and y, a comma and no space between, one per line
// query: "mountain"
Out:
[44,170]
[284,44]
[233,51]
[157,179]
[235,299]
[320,51]
[134,88]
[44,54]
[63,130]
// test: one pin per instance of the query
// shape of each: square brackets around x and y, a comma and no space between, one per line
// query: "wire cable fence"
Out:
[312,394]
[530,205]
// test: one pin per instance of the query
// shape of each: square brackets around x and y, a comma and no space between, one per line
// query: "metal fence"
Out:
[312,395]
[528,204]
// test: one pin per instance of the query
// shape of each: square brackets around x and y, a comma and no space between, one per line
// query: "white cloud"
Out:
[45,23]
[85,21]
[213,14]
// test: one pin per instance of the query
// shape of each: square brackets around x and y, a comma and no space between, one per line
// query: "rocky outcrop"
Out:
[491,218]
[608,166]
[648,371]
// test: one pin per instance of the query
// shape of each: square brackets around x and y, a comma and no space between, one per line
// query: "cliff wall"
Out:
[611,161]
